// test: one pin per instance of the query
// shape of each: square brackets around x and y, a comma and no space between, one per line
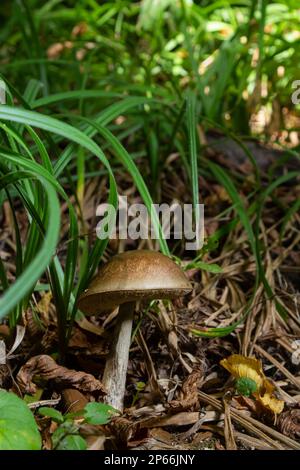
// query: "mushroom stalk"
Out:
[114,377]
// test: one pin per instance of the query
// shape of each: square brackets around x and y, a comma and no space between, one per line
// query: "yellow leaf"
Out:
[240,366]
[271,403]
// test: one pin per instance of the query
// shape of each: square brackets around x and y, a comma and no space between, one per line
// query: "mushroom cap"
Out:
[132,276]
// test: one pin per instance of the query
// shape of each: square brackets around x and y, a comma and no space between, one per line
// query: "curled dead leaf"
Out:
[188,399]
[126,432]
[46,368]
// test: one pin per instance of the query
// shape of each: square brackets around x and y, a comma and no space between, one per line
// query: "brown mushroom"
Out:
[126,279]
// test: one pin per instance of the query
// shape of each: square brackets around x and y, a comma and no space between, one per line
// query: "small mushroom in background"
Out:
[126,279]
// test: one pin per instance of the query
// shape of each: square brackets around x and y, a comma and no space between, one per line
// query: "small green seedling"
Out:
[67,435]
[139,387]
[245,386]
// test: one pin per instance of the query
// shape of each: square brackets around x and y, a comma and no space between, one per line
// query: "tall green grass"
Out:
[168,69]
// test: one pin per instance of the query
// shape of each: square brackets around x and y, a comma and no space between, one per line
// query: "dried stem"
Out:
[114,378]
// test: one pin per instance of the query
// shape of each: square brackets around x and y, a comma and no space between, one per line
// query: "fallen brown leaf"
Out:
[126,432]
[180,419]
[188,399]
[46,368]
[73,400]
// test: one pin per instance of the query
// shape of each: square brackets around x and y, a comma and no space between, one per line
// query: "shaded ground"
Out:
[178,395]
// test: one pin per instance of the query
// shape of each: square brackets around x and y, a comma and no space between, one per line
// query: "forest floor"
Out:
[178,395]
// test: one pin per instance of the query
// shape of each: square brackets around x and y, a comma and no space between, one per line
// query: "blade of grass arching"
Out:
[219,332]
[57,127]
[15,293]
[35,167]
[46,161]
[35,233]
[100,245]
[209,267]
[73,95]
[47,123]
[34,242]
[128,163]
[15,140]
[12,176]
[13,92]
[191,128]
[131,167]
[71,133]
[26,105]
[30,165]
[58,278]
[116,109]
[104,118]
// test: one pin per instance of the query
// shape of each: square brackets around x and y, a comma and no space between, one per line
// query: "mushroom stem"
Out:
[114,377]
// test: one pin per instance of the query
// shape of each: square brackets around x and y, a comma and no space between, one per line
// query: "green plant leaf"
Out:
[66,437]
[51,413]
[98,413]
[72,443]
[18,429]
[210,268]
